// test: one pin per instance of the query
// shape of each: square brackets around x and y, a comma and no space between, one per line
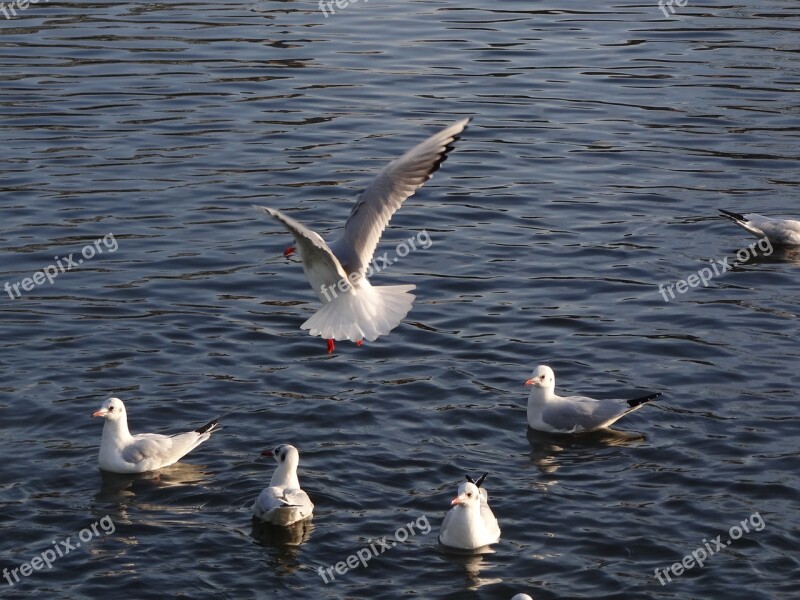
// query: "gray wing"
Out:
[778,230]
[376,204]
[149,446]
[319,262]
[581,413]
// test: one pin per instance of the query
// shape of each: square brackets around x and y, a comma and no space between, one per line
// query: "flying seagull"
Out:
[783,232]
[352,309]
[572,414]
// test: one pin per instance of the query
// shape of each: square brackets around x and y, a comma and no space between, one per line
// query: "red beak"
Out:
[289,251]
[267,453]
[455,501]
[529,382]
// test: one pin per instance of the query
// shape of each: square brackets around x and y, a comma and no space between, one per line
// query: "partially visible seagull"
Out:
[283,502]
[121,452]
[783,232]
[521,597]
[572,414]
[351,308]
[470,524]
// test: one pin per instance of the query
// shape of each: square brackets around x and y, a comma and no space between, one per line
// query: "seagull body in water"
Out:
[283,502]
[470,524]
[783,232]
[352,309]
[121,452]
[551,413]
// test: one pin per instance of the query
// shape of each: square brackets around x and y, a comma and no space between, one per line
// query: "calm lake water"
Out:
[605,136]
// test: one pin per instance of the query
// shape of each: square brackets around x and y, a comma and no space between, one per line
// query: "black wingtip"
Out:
[481,479]
[447,149]
[208,427]
[470,479]
[637,401]
[732,215]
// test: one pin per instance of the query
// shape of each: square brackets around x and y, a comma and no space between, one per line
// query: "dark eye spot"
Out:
[110,408]
[469,494]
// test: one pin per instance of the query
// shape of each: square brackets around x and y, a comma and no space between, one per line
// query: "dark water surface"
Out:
[605,136]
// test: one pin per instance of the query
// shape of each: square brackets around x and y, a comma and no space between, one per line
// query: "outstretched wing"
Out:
[321,266]
[398,181]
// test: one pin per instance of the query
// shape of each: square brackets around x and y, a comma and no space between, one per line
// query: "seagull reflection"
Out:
[283,543]
[270,535]
[123,489]
[551,451]
[472,563]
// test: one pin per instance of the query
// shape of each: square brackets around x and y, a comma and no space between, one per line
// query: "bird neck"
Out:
[540,395]
[285,476]
[116,432]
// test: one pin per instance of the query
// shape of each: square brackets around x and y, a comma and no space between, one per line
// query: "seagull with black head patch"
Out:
[283,502]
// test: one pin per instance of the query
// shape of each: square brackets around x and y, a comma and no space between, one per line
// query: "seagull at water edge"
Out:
[363,311]
[470,524]
[121,452]
[572,414]
[283,502]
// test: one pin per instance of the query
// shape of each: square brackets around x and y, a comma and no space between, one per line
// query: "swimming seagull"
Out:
[572,414]
[470,524]
[283,502]
[121,452]
[783,232]
[351,308]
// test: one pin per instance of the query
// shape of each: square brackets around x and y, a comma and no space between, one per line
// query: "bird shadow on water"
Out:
[550,451]
[123,488]
[472,562]
[282,542]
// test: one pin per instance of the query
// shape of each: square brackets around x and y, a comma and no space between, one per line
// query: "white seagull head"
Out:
[285,455]
[112,410]
[468,495]
[542,377]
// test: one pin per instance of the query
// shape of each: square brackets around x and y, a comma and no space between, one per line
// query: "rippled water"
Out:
[605,136]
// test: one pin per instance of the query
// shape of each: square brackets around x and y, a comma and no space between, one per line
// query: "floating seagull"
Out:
[283,502]
[121,452]
[470,524]
[572,414]
[783,232]
[351,308]
[522,597]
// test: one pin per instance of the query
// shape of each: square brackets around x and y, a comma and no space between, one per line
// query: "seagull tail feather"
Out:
[639,401]
[365,313]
